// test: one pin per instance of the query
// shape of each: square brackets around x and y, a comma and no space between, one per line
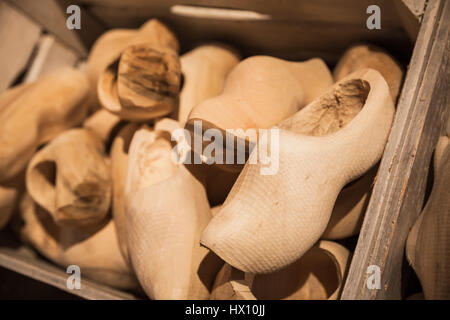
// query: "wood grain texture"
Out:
[14,54]
[399,191]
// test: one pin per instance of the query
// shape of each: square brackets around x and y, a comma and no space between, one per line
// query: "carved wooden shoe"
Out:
[144,81]
[166,211]
[269,221]
[428,244]
[34,113]
[104,51]
[205,69]
[260,92]
[318,275]
[70,178]
[363,56]
[95,251]
[119,165]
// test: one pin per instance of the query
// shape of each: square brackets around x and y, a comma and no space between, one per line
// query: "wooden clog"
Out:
[166,211]
[363,56]
[119,165]
[258,93]
[428,244]
[70,178]
[317,275]
[270,221]
[95,251]
[143,82]
[258,84]
[205,69]
[105,50]
[35,113]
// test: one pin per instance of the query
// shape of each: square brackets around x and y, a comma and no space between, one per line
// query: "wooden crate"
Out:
[414,31]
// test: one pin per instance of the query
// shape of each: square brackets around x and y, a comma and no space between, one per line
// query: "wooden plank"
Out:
[18,35]
[51,15]
[344,11]
[289,39]
[398,194]
[51,55]
[40,270]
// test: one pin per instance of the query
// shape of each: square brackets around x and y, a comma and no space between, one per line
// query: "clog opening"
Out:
[314,276]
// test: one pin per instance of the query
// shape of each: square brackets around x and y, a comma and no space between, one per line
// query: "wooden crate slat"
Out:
[398,194]
[411,13]
[19,36]
[286,39]
[45,272]
[342,11]
[51,55]
[51,15]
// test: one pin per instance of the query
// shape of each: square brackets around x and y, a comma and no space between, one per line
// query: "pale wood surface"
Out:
[398,194]
[51,55]
[14,54]
[51,15]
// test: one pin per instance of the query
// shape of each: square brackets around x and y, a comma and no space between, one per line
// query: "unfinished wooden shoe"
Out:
[166,211]
[34,113]
[259,92]
[119,165]
[363,56]
[428,244]
[205,69]
[318,275]
[143,82]
[95,251]
[70,178]
[270,219]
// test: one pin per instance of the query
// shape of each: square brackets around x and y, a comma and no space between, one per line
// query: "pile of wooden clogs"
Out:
[87,163]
